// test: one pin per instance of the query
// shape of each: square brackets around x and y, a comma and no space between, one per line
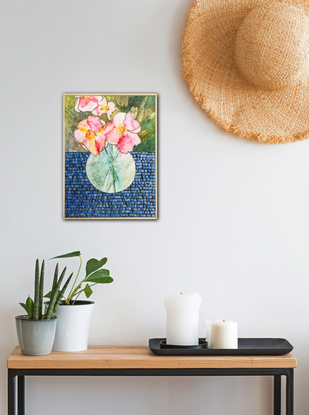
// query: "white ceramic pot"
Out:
[73,322]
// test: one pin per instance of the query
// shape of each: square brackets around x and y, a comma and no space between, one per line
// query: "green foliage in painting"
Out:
[148,143]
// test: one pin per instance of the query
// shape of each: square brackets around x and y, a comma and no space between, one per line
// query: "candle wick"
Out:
[180,293]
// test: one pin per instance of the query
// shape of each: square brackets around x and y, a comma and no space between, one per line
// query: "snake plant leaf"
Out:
[55,297]
[41,288]
[55,280]
[48,295]
[61,293]
[69,255]
[88,291]
[94,264]
[28,306]
[36,300]
[25,307]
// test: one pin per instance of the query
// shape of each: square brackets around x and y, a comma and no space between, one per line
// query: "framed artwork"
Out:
[110,156]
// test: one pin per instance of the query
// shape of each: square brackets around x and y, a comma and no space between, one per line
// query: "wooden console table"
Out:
[140,361]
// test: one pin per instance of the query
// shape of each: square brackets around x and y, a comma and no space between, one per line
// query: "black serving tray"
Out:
[246,347]
[202,344]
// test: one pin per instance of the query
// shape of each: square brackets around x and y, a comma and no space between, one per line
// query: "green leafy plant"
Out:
[34,308]
[94,275]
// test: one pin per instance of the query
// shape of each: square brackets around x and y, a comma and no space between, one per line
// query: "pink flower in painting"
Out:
[91,133]
[87,103]
[124,132]
[127,142]
[105,107]
[95,123]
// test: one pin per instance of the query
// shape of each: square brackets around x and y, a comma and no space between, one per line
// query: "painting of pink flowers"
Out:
[110,156]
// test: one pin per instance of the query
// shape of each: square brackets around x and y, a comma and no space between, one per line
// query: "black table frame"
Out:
[16,381]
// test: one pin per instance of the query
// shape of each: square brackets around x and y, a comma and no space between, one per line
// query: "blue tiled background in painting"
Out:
[82,200]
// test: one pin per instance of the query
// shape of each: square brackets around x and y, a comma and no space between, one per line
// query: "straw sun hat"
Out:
[247,65]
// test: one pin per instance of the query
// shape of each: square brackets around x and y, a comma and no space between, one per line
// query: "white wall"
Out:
[233,215]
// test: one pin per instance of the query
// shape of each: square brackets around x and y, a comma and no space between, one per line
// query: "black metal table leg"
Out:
[277,395]
[16,380]
[290,392]
[11,392]
[21,395]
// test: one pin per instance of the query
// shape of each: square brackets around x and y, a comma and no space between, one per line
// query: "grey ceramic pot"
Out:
[35,337]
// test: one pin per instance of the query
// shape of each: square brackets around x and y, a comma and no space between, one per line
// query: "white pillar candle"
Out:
[182,319]
[224,334]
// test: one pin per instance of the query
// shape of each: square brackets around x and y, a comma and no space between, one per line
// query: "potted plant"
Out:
[36,331]
[73,314]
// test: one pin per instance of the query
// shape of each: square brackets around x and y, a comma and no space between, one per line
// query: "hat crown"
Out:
[272,46]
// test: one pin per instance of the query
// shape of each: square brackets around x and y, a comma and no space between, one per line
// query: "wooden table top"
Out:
[141,357]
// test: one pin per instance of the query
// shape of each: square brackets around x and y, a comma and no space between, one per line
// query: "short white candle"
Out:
[182,319]
[224,334]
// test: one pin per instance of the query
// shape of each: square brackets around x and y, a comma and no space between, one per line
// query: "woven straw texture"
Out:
[247,65]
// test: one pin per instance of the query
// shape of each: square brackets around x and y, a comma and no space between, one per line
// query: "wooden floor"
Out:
[140,357]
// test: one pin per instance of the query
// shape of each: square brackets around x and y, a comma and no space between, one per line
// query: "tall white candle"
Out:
[182,319]
[224,334]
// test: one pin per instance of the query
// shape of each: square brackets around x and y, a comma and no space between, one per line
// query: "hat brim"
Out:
[278,116]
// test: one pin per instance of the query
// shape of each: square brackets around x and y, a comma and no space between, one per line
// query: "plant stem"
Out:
[112,164]
[79,292]
[76,298]
[72,289]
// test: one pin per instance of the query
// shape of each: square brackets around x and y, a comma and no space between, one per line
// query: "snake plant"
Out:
[34,308]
